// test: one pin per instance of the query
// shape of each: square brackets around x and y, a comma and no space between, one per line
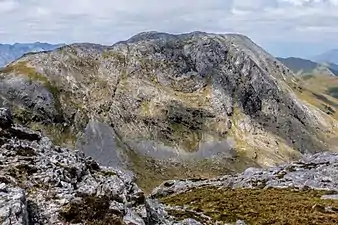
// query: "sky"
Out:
[283,27]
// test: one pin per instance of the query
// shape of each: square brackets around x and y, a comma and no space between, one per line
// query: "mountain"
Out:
[41,183]
[9,53]
[327,57]
[166,106]
[308,67]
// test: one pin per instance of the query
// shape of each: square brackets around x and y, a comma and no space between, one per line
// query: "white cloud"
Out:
[107,21]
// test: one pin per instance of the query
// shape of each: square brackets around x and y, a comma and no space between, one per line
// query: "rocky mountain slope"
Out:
[45,184]
[169,106]
[308,67]
[9,53]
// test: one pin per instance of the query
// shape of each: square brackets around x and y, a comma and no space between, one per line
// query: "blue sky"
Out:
[283,27]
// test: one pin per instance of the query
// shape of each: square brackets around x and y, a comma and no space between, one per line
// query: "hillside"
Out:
[41,183]
[168,106]
[327,57]
[9,53]
[308,67]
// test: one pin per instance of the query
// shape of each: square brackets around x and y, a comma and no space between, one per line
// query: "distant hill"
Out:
[305,66]
[327,57]
[9,53]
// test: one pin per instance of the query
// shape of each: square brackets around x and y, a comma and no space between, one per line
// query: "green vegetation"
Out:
[21,68]
[333,91]
[185,137]
[256,206]
[92,210]
[150,173]
[60,135]
[145,108]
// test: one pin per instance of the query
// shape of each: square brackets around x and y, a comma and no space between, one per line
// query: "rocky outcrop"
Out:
[177,101]
[13,206]
[45,184]
[312,180]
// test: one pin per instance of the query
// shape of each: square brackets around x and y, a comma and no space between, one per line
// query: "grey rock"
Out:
[240,222]
[188,222]
[101,143]
[13,206]
[331,197]
[5,118]
[131,218]
[41,182]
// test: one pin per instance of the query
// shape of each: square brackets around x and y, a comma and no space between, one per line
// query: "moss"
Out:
[92,210]
[186,138]
[150,173]
[60,135]
[145,108]
[107,173]
[257,206]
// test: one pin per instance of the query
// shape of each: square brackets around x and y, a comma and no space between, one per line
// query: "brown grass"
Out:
[258,206]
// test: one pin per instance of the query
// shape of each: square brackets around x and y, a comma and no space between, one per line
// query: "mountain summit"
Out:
[169,106]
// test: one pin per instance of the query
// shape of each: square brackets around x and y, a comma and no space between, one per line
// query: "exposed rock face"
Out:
[169,97]
[13,206]
[45,184]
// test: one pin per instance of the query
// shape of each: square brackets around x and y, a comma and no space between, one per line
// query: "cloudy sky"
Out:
[283,27]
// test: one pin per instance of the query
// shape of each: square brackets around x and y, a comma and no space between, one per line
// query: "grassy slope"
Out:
[320,90]
[255,206]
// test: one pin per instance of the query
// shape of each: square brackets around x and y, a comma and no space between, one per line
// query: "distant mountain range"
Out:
[9,53]
[330,57]
[307,67]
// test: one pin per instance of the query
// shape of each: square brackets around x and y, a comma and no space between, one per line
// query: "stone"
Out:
[330,197]
[58,185]
[13,207]
[5,118]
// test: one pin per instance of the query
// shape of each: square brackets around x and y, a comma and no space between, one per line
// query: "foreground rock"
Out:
[45,184]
